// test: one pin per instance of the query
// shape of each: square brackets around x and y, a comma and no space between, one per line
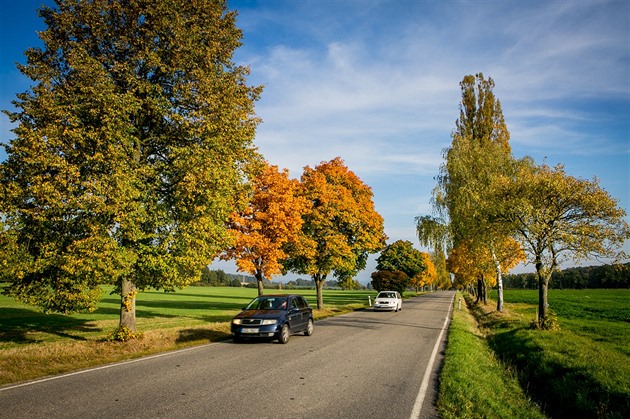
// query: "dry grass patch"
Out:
[31,361]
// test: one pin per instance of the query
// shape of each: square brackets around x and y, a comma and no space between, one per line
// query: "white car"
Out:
[388,300]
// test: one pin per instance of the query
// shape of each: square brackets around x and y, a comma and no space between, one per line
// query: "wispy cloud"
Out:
[376,82]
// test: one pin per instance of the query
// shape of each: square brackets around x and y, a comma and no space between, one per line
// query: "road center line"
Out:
[417,407]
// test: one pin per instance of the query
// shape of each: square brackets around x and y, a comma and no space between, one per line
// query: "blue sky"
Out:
[376,82]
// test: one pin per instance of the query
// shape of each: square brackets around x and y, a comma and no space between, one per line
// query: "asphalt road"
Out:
[360,365]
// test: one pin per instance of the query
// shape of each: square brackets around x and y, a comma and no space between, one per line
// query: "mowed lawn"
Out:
[581,370]
[192,306]
[33,344]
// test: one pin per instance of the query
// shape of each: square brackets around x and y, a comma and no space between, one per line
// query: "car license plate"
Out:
[249,330]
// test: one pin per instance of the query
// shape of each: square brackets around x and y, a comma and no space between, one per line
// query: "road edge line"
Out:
[102,367]
[417,407]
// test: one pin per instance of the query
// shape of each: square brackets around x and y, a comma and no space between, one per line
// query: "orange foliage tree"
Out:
[342,227]
[272,219]
[428,276]
[472,264]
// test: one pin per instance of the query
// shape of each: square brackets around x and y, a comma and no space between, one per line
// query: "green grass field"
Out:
[193,306]
[582,370]
[496,365]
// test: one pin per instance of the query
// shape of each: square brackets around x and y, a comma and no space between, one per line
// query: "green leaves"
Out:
[555,213]
[490,199]
[131,148]
[401,256]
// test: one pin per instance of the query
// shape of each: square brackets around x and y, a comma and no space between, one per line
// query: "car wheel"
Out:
[284,334]
[309,328]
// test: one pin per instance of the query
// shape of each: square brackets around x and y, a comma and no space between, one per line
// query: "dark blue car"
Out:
[273,317]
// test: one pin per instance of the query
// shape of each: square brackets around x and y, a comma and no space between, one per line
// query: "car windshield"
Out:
[268,303]
[386,295]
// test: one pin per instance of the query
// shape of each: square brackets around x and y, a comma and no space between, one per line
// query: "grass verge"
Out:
[473,382]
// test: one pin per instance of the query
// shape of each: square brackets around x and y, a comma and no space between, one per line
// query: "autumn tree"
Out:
[341,229]
[479,153]
[348,283]
[428,276]
[475,265]
[129,150]
[271,221]
[559,217]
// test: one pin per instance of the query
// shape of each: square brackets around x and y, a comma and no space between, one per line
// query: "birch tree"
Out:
[479,153]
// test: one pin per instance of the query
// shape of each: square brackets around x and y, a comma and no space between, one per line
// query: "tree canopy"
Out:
[558,217]
[479,154]
[401,256]
[129,153]
[491,207]
[390,280]
[342,227]
[434,232]
[428,276]
[271,221]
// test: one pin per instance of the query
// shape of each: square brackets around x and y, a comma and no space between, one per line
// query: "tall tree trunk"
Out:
[497,266]
[319,284]
[478,291]
[543,286]
[259,282]
[543,311]
[481,291]
[128,292]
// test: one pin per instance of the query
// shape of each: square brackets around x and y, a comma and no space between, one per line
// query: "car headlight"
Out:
[236,321]
[268,322]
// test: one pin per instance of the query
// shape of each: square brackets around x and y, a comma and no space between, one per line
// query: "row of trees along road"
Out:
[132,160]
[321,225]
[493,210]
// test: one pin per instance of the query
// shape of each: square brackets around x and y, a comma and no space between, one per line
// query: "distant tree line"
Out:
[219,278]
[604,276]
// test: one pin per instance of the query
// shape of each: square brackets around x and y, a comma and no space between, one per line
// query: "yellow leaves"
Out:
[553,210]
[128,300]
[509,254]
[428,275]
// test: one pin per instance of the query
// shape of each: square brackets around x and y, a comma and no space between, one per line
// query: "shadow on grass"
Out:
[196,335]
[17,323]
[561,390]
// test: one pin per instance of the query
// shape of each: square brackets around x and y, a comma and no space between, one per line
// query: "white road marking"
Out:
[417,407]
[131,361]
